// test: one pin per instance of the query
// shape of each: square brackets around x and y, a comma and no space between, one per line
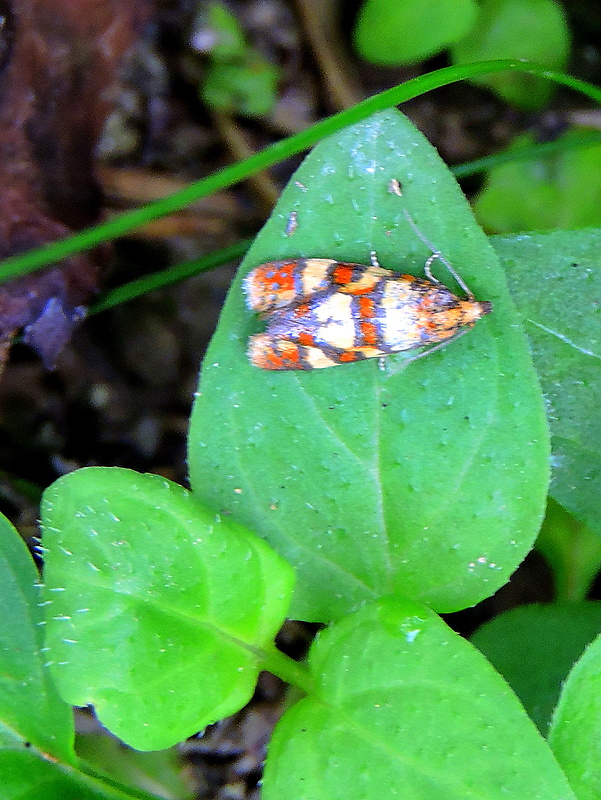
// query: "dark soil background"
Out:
[121,390]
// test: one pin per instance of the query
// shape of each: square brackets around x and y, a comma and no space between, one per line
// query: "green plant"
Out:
[562,190]
[394,495]
[535,30]
[36,259]
[238,79]
[393,32]
[391,479]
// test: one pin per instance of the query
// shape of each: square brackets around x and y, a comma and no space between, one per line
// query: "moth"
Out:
[322,313]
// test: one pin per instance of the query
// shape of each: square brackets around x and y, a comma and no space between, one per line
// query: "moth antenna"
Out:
[436,255]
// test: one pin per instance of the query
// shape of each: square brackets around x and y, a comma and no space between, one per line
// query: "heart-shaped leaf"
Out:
[430,479]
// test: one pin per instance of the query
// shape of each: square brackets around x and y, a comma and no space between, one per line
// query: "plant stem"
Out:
[290,671]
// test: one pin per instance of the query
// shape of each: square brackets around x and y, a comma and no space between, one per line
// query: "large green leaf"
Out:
[556,283]
[31,712]
[429,479]
[407,710]
[160,611]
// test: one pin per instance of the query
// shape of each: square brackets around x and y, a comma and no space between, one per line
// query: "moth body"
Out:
[323,313]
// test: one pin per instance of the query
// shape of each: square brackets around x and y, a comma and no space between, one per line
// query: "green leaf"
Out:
[31,712]
[575,734]
[534,647]
[572,550]
[238,79]
[405,708]
[159,772]
[248,87]
[562,190]
[216,21]
[391,32]
[534,30]
[429,479]
[160,610]
[25,777]
[555,281]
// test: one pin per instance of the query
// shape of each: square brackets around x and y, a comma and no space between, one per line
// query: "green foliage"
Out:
[534,647]
[391,32]
[31,712]
[160,620]
[451,452]
[555,281]
[406,708]
[535,30]
[575,735]
[248,88]
[572,549]
[371,481]
[238,79]
[558,191]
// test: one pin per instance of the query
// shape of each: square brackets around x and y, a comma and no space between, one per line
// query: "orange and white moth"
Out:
[322,313]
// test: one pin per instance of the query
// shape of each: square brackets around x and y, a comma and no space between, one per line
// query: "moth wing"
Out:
[281,353]
[283,284]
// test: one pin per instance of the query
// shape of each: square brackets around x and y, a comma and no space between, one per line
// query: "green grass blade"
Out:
[91,237]
[167,277]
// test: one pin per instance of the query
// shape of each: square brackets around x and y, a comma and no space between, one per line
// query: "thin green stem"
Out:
[288,670]
[167,277]
[527,153]
[174,274]
[91,237]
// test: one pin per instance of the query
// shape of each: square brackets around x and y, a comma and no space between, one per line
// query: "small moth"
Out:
[322,313]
